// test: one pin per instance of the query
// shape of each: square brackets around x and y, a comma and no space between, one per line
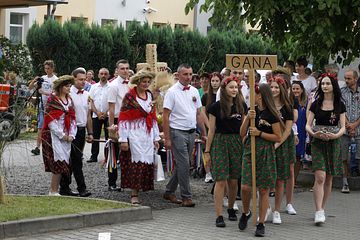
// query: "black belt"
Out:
[188,131]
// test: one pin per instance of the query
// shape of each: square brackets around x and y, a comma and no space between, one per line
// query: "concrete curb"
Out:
[73,221]
[306,178]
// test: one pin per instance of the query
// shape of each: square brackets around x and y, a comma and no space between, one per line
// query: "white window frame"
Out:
[22,26]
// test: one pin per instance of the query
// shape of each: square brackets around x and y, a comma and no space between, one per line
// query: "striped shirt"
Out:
[352,104]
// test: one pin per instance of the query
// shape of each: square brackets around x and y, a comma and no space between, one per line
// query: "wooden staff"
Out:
[253,143]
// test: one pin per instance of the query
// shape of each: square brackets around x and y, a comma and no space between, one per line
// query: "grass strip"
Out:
[25,207]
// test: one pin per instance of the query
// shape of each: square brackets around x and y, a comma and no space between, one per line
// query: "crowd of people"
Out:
[302,120]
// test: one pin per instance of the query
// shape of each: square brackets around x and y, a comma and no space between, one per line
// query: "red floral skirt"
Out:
[139,176]
[56,167]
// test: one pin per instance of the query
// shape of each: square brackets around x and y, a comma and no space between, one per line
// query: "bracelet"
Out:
[260,134]
[207,152]
[90,134]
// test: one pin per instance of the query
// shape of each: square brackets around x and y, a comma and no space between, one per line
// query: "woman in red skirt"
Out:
[139,133]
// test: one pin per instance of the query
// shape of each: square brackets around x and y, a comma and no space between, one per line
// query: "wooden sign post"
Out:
[151,60]
[252,63]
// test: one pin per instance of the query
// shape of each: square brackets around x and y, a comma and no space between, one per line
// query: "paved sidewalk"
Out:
[342,222]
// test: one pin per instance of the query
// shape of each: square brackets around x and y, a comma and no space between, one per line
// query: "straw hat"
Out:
[62,81]
[140,75]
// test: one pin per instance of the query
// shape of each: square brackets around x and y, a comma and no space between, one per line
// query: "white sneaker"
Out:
[225,202]
[268,215]
[276,218]
[208,178]
[345,189]
[54,194]
[290,209]
[319,217]
[236,207]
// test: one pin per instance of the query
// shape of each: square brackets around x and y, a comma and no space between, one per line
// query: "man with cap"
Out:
[83,120]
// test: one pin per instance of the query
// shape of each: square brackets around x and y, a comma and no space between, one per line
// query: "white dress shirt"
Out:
[117,91]
[81,105]
[183,106]
[99,94]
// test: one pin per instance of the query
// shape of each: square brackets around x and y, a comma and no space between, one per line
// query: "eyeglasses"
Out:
[348,78]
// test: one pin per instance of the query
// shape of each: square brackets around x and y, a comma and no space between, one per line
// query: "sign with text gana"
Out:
[259,62]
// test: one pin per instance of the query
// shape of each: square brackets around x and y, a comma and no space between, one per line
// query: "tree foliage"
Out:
[92,47]
[15,58]
[319,28]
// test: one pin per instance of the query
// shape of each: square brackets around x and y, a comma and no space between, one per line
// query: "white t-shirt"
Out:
[183,106]
[117,91]
[99,94]
[47,87]
[309,83]
[81,105]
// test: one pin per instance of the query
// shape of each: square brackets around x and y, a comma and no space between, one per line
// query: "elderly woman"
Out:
[58,132]
[139,133]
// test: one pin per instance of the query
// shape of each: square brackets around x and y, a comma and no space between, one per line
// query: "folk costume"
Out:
[226,148]
[138,126]
[59,121]
[326,154]
[285,153]
[265,153]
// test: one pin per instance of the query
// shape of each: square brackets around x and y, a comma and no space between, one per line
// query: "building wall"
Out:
[74,8]
[170,12]
[119,10]
[202,19]
[28,15]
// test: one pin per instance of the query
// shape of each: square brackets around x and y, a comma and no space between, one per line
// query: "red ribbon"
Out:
[186,88]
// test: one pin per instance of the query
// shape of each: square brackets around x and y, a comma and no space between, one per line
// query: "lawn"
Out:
[25,207]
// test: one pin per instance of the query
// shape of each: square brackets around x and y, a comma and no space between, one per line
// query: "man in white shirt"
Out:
[117,90]
[83,120]
[99,106]
[182,112]
[43,85]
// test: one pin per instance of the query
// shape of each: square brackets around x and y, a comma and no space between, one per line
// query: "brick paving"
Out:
[199,223]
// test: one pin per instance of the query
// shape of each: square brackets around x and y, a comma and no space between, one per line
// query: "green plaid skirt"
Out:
[326,156]
[291,147]
[285,154]
[226,153]
[265,164]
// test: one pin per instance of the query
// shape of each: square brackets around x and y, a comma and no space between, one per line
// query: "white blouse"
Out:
[61,148]
[141,142]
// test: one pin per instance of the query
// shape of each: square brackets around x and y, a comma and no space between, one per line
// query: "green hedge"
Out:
[77,44]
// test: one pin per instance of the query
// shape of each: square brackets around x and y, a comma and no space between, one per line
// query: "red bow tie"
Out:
[186,88]
[125,82]
[80,91]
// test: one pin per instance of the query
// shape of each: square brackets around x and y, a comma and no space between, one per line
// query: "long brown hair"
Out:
[209,99]
[284,96]
[226,101]
[303,97]
[268,101]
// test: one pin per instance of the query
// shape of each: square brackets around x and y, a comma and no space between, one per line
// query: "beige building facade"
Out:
[15,22]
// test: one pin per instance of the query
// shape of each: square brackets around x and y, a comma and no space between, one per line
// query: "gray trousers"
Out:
[182,144]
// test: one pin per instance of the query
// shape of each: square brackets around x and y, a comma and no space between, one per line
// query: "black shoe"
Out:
[238,197]
[68,193]
[272,194]
[91,160]
[84,193]
[244,220]
[260,230]
[220,221]
[114,189]
[36,151]
[232,214]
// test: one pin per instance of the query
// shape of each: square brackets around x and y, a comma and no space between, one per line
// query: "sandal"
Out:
[134,200]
